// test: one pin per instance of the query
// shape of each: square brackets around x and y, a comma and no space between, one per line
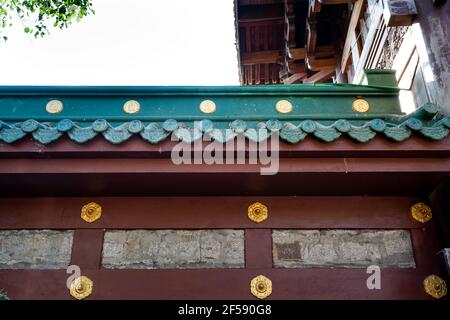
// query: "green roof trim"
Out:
[155,132]
[3,296]
[182,103]
[323,111]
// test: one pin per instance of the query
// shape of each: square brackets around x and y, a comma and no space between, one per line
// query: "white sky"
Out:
[132,42]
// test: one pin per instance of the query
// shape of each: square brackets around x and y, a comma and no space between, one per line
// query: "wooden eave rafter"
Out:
[356,13]
[295,78]
[320,76]
[320,64]
[326,2]
[274,56]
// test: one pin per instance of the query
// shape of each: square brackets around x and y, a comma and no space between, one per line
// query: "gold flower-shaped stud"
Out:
[435,286]
[261,287]
[421,212]
[257,212]
[91,212]
[81,287]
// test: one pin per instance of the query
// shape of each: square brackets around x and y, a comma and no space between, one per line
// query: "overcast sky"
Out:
[132,42]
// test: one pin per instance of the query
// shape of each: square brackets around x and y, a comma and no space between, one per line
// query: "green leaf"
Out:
[42,14]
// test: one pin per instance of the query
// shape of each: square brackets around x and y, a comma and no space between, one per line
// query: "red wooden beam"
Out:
[205,212]
[79,166]
[226,284]
[138,148]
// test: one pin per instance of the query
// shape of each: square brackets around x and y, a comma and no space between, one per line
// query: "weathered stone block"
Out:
[166,249]
[35,249]
[342,248]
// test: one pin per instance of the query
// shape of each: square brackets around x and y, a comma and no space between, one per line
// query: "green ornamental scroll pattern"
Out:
[155,132]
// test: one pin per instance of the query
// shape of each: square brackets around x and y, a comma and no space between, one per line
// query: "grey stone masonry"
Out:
[170,249]
[342,248]
[35,249]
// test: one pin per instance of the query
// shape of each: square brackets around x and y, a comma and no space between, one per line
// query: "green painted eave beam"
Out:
[318,102]
[292,89]
[322,111]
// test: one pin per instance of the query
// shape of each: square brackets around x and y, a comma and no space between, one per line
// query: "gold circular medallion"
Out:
[261,287]
[283,106]
[435,286]
[207,106]
[81,287]
[421,212]
[257,212]
[91,212]
[54,106]
[132,106]
[360,105]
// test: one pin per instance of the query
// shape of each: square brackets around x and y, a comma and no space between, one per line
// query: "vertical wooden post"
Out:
[258,248]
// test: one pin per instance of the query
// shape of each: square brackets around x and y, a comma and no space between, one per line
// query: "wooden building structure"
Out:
[306,41]
[288,41]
